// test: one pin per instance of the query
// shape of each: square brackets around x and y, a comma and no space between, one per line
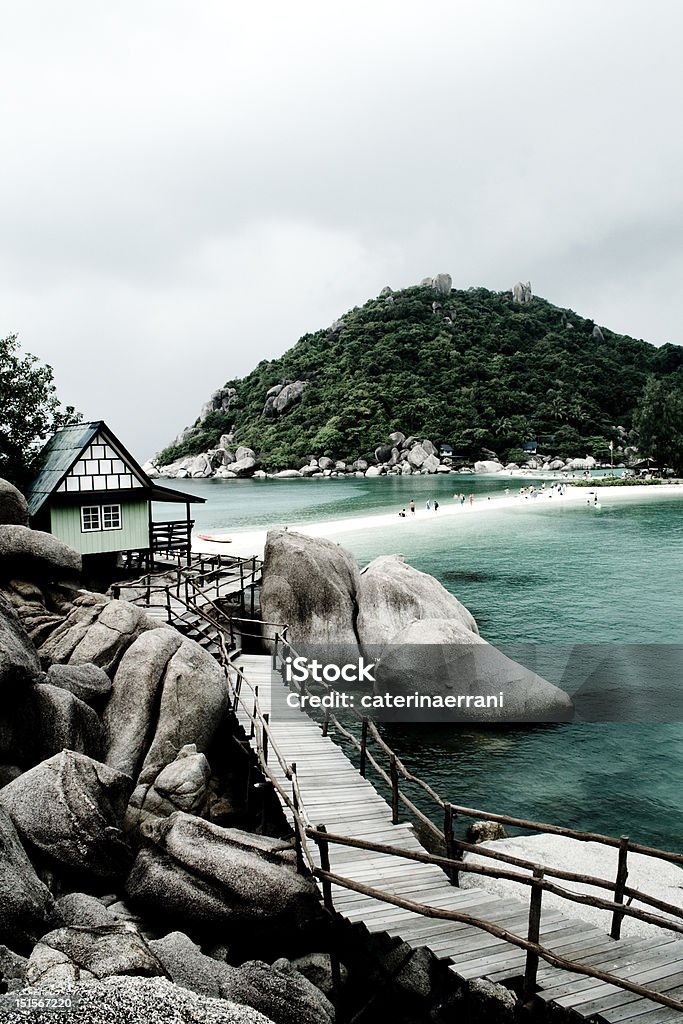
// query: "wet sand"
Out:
[246,543]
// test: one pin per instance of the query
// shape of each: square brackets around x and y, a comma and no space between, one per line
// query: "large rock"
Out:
[88,682]
[70,808]
[393,594]
[32,555]
[280,992]
[129,717]
[243,467]
[441,658]
[83,911]
[95,631]
[312,585]
[193,701]
[118,625]
[87,953]
[289,396]
[487,466]
[202,873]
[26,905]
[180,786]
[12,968]
[430,464]
[417,455]
[220,401]
[43,720]
[133,1000]
[443,284]
[521,292]
[13,507]
[19,662]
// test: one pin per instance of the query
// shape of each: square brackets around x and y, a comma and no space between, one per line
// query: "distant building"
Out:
[93,495]
[445,449]
[530,447]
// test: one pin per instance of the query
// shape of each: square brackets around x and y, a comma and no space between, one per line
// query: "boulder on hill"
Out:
[26,905]
[198,872]
[33,555]
[440,657]
[13,507]
[71,808]
[310,584]
[393,594]
[487,466]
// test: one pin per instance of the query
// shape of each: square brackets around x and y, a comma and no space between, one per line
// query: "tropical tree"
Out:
[29,410]
[658,422]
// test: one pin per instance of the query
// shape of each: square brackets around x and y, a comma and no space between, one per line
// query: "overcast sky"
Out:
[187,187]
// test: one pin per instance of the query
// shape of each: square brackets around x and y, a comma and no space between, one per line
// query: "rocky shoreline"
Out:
[399,456]
[134,871]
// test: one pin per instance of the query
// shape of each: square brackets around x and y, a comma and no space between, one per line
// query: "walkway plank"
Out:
[333,793]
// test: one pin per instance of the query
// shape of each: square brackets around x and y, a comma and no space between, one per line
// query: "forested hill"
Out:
[473,368]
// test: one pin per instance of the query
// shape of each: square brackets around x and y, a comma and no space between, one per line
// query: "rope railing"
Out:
[397,769]
[538,882]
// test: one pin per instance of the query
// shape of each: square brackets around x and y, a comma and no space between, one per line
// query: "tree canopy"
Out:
[29,410]
[474,369]
[658,422]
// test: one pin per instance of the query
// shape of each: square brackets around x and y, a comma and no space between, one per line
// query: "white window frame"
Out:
[115,512]
[97,514]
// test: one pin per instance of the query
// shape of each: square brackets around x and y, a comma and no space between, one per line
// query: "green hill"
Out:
[479,370]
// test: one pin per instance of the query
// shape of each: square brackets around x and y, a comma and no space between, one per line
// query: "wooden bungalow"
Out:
[92,494]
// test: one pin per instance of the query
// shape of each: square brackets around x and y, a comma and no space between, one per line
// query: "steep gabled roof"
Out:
[65,448]
[58,456]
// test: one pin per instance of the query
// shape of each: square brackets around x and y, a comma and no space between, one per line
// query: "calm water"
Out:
[539,575]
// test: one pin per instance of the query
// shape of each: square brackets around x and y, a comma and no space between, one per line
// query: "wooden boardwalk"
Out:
[334,794]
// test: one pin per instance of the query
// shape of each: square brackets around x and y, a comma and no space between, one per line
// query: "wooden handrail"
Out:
[543,953]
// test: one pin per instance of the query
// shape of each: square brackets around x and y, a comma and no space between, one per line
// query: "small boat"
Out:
[214,540]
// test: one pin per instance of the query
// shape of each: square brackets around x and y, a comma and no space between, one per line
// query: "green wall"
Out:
[66,525]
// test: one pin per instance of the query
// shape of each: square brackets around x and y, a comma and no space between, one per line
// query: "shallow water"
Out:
[536,575]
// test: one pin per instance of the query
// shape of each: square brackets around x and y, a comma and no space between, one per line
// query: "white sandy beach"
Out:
[252,542]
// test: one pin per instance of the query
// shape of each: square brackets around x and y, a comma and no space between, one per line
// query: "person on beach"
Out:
[412,507]
[428,504]
[471,499]
[402,513]
[436,505]
[462,500]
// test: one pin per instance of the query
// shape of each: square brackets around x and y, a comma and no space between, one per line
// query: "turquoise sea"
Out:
[535,575]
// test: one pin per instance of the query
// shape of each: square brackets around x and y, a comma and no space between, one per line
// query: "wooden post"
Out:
[115,591]
[253,583]
[252,731]
[449,815]
[326,721]
[363,746]
[188,554]
[324,848]
[622,875]
[168,604]
[394,790]
[533,935]
[276,641]
[300,864]
[264,733]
